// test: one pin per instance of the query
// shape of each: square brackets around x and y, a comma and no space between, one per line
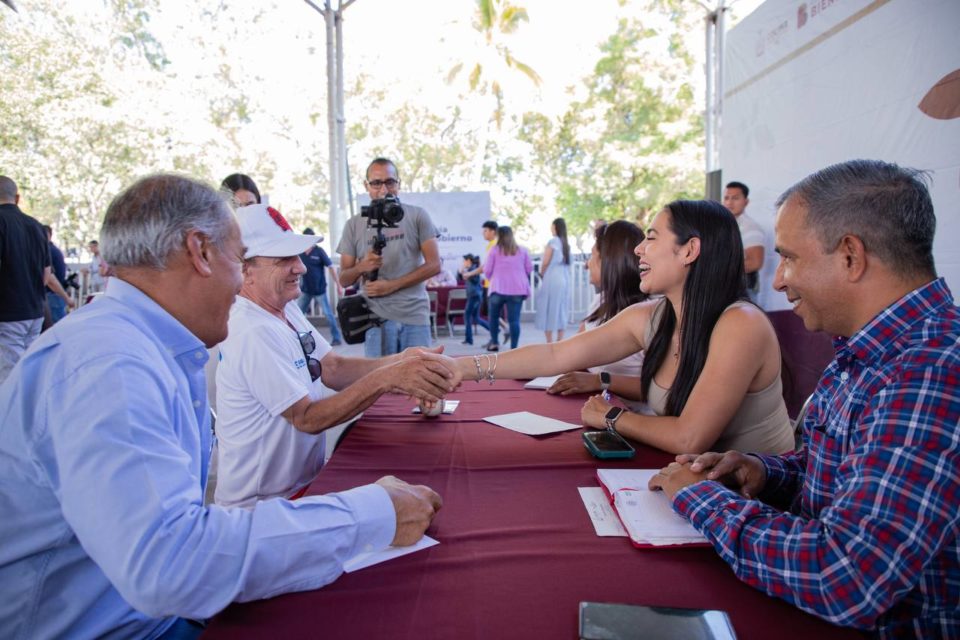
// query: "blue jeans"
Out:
[471,316]
[514,304]
[393,337]
[304,304]
[58,308]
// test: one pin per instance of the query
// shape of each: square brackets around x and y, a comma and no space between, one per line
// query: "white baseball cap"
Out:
[267,233]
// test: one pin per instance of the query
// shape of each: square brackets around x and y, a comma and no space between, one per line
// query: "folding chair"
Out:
[459,309]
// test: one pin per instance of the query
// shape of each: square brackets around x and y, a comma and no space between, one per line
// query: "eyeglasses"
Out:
[389,183]
[309,345]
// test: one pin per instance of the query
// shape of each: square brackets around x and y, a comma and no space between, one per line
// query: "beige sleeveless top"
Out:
[761,424]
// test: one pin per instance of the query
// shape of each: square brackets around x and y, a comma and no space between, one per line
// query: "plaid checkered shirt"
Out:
[870,537]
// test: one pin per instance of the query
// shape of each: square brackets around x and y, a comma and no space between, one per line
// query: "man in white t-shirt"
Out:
[735,199]
[277,373]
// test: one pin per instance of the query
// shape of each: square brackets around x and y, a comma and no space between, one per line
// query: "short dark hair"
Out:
[887,206]
[744,189]
[490,224]
[378,161]
[8,188]
[96,242]
[236,181]
[308,231]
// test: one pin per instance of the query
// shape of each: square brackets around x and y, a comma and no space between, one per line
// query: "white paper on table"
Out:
[449,406]
[604,518]
[541,383]
[370,558]
[530,423]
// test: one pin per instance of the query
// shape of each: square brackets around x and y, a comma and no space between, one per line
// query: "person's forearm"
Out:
[625,386]
[667,433]
[350,275]
[51,281]
[753,259]
[530,361]
[339,372]
[329,412]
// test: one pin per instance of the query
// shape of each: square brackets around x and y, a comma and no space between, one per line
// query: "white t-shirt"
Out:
[262,373]
[750,232]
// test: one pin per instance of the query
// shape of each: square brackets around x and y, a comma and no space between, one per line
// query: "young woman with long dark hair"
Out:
[711,370]
[615,272]
[243,189]
[553,297]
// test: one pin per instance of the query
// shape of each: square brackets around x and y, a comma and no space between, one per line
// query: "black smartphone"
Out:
[607,444]
[607,621]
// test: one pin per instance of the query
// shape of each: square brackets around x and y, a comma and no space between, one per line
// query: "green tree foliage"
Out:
[496,21]
[63,141]
[625,149]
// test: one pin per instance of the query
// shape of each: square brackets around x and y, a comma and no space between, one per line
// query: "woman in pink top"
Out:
[508,269]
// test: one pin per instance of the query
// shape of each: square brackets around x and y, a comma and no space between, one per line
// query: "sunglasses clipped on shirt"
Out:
[309,345]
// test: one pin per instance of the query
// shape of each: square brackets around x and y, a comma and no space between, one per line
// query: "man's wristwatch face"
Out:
[604,381]
[612,416]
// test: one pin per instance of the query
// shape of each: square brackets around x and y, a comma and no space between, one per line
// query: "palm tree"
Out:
[496,20]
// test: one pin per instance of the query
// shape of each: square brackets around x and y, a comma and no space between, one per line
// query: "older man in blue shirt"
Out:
[103,530]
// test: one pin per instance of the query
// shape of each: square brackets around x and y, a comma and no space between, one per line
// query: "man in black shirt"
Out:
[314,285]
[24,264]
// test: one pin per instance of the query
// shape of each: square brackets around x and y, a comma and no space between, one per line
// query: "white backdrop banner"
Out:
[458,216]
[815,82]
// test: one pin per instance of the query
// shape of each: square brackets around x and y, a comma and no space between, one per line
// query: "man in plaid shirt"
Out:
[869,538]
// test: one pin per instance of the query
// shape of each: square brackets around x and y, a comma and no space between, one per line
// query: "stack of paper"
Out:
[647,515]
[541,383]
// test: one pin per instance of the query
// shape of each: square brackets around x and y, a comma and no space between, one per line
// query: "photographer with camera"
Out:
[391,248]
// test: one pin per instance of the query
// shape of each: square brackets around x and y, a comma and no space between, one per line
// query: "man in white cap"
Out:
[276,373]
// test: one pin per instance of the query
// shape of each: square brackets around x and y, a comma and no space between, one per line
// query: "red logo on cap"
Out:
[279,219]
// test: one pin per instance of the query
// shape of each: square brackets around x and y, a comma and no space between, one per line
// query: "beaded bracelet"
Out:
[476,361]
[490,371]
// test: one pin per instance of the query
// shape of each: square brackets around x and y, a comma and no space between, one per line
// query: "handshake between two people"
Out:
[424,374]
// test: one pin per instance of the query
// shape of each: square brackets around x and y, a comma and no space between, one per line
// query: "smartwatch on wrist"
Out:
[604,381]
[612,416]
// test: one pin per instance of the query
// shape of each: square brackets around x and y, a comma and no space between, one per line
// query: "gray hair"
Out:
[149,220]
[887,206]
[8,189]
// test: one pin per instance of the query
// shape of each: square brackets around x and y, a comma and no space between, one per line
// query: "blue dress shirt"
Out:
[104,450]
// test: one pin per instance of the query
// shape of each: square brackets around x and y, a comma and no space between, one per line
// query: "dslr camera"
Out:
[383,212]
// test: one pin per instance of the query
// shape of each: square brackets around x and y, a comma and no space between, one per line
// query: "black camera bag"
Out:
[355,318]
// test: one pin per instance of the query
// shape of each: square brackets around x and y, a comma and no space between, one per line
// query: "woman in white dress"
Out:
[553,308]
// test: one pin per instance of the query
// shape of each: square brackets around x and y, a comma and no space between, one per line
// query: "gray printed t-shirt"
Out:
[401,256]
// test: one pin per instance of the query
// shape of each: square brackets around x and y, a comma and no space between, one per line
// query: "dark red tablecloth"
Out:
[517,550]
